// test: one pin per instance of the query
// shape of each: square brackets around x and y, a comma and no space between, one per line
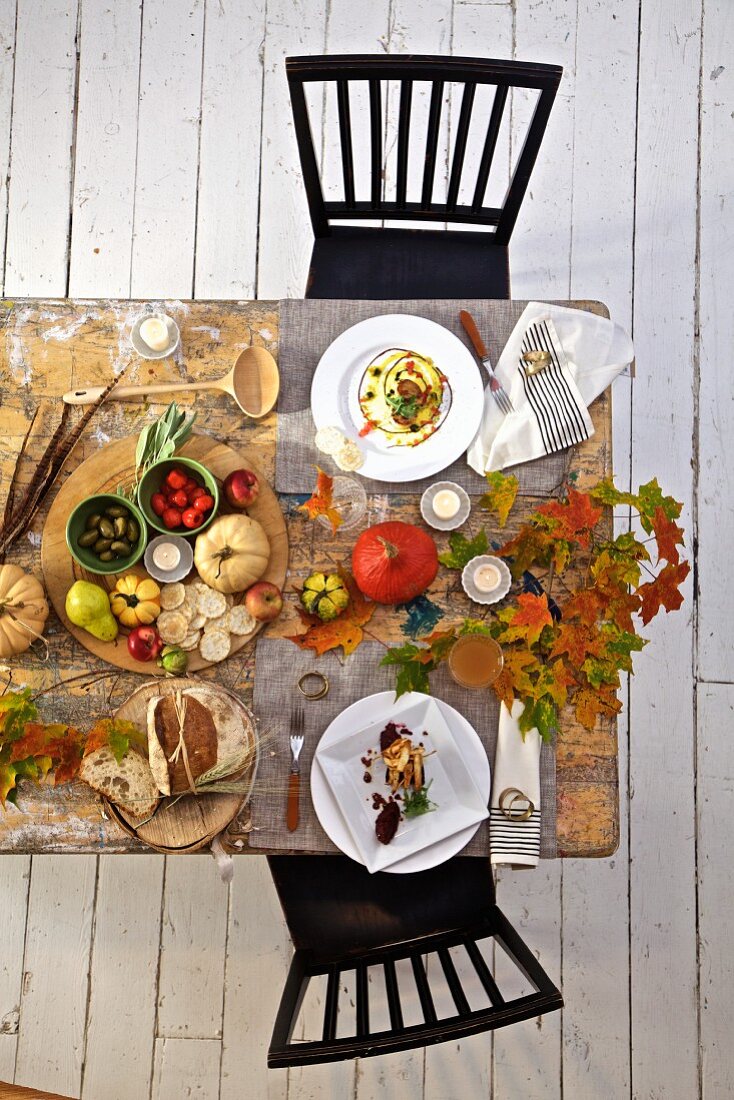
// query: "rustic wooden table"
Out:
[47,348]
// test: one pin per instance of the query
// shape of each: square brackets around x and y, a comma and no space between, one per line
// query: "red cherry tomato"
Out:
[158,503]
[191,484]
[179,499]
[192,517]
[199,491]
[205,503]
[172,518]
[144,643]
[176,478]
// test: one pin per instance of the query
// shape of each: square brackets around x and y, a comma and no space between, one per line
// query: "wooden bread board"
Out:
[111,466]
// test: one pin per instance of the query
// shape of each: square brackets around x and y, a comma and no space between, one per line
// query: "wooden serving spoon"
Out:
[253,382]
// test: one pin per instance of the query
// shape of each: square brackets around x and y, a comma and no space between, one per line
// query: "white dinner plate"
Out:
[377,709]
[335,388]
[457,801]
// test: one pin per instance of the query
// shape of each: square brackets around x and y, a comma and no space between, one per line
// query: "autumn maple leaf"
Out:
[663,591]
[501,495]
[591,702]
[585,605]
[573,519]
[320,503]
[669,536]
[514,680]
[526,621]
[345,631]
[578,641]
[52,745]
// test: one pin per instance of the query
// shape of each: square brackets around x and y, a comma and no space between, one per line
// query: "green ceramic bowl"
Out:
[151,482]
[76,525]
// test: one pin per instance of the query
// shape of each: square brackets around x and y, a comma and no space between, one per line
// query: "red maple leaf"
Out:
[55,743]
[585,606]
[346,631]
[664,590]
[529,618]
[590,703]
[573,519]
[320,503]
[578,641]
[669,536]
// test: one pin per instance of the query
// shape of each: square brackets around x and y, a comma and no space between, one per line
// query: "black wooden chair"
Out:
[349,925]
[350,261]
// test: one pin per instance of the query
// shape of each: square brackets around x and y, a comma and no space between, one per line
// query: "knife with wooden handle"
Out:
[470,328]
[291,813]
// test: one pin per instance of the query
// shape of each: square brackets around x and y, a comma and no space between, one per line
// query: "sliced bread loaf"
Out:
[129,784]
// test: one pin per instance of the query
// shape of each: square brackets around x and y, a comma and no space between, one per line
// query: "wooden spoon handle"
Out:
[291,816]
[88,396]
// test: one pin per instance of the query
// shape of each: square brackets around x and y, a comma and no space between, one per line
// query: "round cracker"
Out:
[191,640]
[197,622]
[329,440]
[220,623]
[214,645]
[211,603]
[187,608]
[241,621]
[349,457]
[172,626]
[172,596]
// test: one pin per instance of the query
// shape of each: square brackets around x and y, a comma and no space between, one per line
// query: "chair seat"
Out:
[354,262]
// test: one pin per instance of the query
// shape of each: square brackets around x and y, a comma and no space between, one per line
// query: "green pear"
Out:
[88,606]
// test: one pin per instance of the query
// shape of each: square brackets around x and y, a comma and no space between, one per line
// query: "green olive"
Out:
[106,529]
[120,526]
[93,521]
[115,510]
[106,555]
[121,547]
[88,538]
[102,544]
[133,530]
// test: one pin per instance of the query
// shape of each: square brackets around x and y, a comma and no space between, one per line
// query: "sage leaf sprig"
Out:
[162,438]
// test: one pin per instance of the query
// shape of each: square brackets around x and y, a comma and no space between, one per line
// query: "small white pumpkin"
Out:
[232,554]
[23,610]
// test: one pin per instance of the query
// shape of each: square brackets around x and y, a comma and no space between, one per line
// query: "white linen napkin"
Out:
[516,768]
[587,353]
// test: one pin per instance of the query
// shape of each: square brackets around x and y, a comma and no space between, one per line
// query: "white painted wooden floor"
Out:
[146,150]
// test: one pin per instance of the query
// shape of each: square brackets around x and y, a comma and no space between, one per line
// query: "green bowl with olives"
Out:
[106,533]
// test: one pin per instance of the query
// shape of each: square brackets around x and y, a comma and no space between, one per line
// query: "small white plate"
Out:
[498,593]
[140,346]
[348,818]
[335,401]
[435,521]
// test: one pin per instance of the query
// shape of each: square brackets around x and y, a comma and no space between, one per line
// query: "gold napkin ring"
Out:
[536,361]
[320,692]
[507,800]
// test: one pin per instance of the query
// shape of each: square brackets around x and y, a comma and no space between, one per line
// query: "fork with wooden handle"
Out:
[294,779]
[496,388]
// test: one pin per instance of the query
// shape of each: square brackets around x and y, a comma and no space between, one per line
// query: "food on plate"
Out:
[189,732]
[403,396]
[241,488]
[349,457]
[264,601]
[232,554]
[144,643]
[88,606]
[129,783]
[111,533]
[403,759]
[23,610]
[182,500]
[324,595]
[394,562]
[173,659]
[135,600]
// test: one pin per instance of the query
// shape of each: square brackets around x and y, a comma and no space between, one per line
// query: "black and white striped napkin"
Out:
[552,394]
[515,785]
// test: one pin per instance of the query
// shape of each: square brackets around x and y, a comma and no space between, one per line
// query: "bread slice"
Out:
[129,784]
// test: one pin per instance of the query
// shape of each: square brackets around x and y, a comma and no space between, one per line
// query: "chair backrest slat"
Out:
[363,1001]
[462,133]
[345,137]
[406,99]
[331,1006]
[484,974]
[375,143]
[434,122]
[393,995]
[413,201]
[490,144]
[424,992]
[452,980]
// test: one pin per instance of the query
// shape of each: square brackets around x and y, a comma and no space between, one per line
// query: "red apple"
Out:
[264,601]
[241,488]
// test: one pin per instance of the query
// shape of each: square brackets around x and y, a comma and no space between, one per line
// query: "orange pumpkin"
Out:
[394,562]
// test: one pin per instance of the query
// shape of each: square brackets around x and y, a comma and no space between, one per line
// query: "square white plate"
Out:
[459,803]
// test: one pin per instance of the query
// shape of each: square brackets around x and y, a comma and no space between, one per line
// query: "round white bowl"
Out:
[435,521]
[498,593]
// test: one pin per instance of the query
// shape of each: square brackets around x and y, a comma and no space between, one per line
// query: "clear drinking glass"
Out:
[350,500]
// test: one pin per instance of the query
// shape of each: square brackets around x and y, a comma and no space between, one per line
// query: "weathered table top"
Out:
[49,347]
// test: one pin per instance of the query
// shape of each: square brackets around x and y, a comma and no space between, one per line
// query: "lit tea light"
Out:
[446,504]
[487,577]
[154,333]
[166,556]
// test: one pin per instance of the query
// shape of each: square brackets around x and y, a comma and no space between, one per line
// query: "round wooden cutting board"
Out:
[189,823]
[114,465]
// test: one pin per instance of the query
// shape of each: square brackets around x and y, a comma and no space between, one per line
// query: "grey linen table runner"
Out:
[306,329]
[278,666]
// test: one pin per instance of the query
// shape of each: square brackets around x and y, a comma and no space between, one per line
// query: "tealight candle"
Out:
[166,556]
[154,333]
[487,577]
[446,504]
